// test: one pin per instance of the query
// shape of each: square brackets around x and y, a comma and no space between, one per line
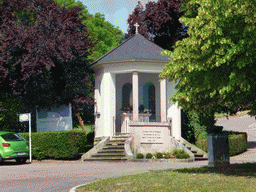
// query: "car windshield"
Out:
[12,137]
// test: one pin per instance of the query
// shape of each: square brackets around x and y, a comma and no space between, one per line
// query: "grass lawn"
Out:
[88,127]
[235,177]
[239,113]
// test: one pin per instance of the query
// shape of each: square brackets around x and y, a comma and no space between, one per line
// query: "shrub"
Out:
[237,143]
[38,154]
[90,137]
[187,129]
[159,155]
[61,147]
[202,144]
[149,156]
[167,155]
[195,126]
[172,157]
[180,154]
[140,156]
[59,144]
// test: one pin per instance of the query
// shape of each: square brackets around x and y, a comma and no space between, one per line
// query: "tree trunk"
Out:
[80,121]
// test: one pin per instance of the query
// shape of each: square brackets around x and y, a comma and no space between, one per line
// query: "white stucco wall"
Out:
[108,104]
[99,105]
[173,111]
[105,103]
[109,80]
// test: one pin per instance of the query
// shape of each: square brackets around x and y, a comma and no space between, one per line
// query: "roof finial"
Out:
[136,25]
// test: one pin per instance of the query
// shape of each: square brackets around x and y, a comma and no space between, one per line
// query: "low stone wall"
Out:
[96,148]
[127,148]
[97,140]
[164,160]
[184,142]
[181,146]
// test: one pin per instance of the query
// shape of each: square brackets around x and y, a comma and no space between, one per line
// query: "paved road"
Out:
[63,175]
[242,124]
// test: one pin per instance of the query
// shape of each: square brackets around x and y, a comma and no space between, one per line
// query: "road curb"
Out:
[73,189]
[174,160]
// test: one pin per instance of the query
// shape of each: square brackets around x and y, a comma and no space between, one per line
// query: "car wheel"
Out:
[1,160]
[21,161]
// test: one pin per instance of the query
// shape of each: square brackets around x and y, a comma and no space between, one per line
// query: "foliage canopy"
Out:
[43,56]
[215,66]
[159,22]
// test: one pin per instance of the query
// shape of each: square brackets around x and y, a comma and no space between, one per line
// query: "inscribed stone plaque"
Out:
[152,137]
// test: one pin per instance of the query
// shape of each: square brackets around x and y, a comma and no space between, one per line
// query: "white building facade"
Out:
[131,99]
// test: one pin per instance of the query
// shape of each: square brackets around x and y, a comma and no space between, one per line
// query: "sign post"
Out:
[27,117]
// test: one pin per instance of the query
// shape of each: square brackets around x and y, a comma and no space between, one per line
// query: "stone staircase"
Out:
[199,155]
[196,153]
[113,150]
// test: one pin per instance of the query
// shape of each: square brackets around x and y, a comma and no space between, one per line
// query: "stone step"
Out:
[107,159]
[114,147]
[200,159]
[111,151]
[115,143]
[199,155]
[109,155]
[120,136]
[117,140]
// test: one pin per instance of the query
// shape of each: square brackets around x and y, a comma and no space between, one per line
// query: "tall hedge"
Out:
[59,144]
[237,143]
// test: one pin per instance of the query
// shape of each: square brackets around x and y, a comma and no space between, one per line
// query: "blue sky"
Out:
[116,11]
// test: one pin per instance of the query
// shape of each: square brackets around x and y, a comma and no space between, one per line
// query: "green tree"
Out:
[189,8]
[103,34]
[215,66]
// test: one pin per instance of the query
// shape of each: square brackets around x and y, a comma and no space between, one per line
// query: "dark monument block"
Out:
[218,149]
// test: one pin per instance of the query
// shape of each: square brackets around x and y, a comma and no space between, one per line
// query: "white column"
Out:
[163,100]
[176,122]
[99,103]
[109,104]
[96,108]
[135,95]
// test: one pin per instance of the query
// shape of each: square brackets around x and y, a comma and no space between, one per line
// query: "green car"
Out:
[12,146]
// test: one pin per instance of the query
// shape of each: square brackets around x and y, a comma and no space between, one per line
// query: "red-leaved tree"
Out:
[43,51]
[159,22]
